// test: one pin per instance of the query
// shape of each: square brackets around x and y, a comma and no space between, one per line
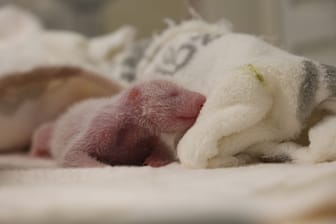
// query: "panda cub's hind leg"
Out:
[40,146]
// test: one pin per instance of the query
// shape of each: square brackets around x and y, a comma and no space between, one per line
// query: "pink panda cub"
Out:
[122,130]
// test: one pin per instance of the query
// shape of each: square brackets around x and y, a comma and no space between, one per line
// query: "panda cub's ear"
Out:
[133,94]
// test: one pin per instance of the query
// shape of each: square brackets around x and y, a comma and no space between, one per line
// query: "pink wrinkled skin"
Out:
[121,130]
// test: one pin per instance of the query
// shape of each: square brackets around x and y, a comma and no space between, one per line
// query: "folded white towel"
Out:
[258,96]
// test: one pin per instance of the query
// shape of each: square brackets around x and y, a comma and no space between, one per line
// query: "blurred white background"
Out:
[305,27]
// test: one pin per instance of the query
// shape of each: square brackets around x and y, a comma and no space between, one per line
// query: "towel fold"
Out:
[258,96]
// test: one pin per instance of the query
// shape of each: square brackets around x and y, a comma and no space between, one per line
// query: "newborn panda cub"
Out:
[121,130]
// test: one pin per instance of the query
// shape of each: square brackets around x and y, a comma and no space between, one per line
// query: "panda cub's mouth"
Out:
[188,118]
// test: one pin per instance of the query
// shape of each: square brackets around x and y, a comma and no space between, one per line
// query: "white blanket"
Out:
[255,194]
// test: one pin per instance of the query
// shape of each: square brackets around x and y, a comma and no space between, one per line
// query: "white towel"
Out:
[258,96]
[25,44]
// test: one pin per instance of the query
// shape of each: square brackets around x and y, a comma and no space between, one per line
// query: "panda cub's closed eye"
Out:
[173,94]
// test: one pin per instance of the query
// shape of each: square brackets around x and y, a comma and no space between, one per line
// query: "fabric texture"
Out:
[34,191]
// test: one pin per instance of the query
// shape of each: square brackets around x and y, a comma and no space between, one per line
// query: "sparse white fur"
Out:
[76,122]
[244,112]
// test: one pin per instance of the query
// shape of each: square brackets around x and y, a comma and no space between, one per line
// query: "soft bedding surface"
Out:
[34,191]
